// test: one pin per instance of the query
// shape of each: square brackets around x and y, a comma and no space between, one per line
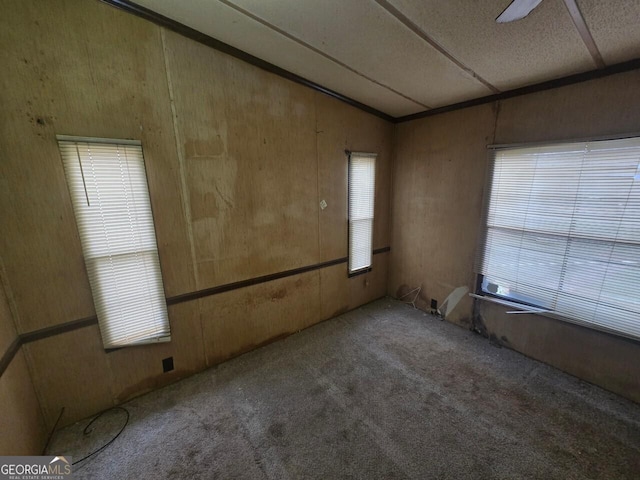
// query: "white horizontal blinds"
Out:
[362,176]
[563,231]
[110,197]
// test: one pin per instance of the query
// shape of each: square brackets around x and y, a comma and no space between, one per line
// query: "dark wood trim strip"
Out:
[538,87]
[58,329]
[186,297]
[200,37]
[9,354]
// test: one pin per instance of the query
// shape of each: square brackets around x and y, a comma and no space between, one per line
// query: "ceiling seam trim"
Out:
[615,69]
[583,31]
[318,51]
[406,21]
[172,25]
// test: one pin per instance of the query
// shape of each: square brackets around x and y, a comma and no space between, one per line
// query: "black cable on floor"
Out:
[87,432]
[53,430]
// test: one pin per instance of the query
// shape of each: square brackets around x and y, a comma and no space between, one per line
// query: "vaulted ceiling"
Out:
[407,56]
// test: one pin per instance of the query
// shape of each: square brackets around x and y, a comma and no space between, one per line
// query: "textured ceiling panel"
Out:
[542,46]
[406,56]
[227,25]
[364,36]
[615,27]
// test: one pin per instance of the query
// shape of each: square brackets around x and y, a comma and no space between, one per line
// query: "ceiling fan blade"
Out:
[518,9]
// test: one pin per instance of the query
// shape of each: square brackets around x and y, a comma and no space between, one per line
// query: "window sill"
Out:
[527,309]
[359,272]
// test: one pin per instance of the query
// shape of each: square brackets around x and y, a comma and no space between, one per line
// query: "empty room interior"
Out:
[333,239]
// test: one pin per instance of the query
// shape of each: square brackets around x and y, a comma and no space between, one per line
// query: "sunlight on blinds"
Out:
[110,197]
[362,175]
[563,231]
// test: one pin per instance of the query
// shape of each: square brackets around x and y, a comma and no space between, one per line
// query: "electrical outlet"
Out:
[167,364]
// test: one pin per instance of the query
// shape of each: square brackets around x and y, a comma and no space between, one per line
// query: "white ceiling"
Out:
[407,56]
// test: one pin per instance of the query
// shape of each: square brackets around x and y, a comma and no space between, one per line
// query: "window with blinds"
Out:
[110,197]
[563,232]
[362,177]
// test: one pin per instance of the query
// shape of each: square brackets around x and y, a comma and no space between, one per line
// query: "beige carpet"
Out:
[383,392]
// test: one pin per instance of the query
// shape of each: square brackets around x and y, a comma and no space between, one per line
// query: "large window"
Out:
[110,197]
[563,232]
[362,178]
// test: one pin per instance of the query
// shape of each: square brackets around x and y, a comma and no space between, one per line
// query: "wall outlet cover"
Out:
[167,364]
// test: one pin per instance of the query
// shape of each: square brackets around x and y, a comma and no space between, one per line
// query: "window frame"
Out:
[369,268]
[151,252]
[523,306]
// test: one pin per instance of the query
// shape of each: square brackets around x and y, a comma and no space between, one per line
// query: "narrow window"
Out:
[110,197]
[563,232]
[362,177]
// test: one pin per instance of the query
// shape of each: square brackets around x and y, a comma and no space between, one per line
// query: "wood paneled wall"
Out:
[21,421]
[438,182]
[237,161]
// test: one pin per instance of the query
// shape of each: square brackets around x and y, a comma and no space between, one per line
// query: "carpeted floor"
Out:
[383,392]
